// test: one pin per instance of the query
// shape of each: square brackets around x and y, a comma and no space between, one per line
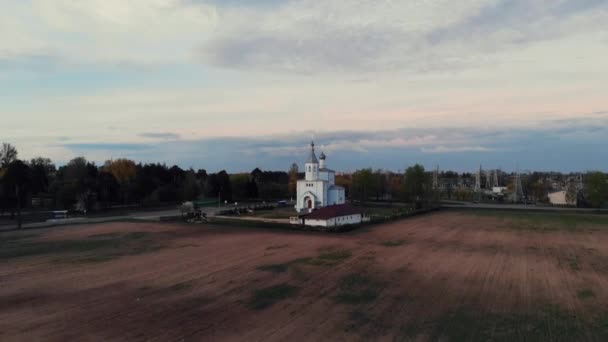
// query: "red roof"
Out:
[332,211]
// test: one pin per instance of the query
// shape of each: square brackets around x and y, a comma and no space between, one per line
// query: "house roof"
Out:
[332,211]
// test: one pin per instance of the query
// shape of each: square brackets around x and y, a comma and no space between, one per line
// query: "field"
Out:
[448,276]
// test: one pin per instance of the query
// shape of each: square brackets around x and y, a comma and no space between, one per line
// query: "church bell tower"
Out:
[312,165]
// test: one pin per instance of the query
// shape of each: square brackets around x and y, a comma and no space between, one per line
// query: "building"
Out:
[561,198]
[318,189]
[332,216]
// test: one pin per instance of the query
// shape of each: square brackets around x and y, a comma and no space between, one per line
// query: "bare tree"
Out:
[8,154]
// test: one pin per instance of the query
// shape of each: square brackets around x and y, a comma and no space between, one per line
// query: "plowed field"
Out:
[449,276]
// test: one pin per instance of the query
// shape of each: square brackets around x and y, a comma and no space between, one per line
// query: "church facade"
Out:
[318,189]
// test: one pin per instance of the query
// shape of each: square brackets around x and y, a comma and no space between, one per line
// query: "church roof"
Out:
[322,156]
[312,159]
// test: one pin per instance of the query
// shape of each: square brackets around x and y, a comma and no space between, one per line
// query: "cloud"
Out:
[160,135]
[106,32]
[120,147]
[454,149]
[371,35]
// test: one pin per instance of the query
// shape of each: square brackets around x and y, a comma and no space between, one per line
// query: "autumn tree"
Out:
[293,180]
[124,171]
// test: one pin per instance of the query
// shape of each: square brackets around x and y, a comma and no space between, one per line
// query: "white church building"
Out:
[318,189]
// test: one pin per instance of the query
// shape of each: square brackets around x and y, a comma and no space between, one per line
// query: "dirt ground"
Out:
[448,276]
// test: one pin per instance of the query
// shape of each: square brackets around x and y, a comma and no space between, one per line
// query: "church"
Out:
[318,189]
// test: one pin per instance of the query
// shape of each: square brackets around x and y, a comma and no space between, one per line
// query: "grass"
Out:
[393,243]
[96,248]
[274,268]
[573,263]
[547,324]
[179,287]
[327,258]
[277,213]
[546,221]
[268,296]
[358,289]
[275,247]
[585,294]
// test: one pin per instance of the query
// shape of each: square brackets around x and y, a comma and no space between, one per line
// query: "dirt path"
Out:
[446,276]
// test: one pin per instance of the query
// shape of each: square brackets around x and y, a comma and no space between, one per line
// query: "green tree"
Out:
[363,185]
[239,183]
[416,184]
[597,189]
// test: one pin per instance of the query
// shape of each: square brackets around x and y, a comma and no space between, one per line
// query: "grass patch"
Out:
[546,221]
[274,268]
[393,243]
[268,296]
[573,263]
[97,248]
[275,247]
[549,324]
[184,286]
[357,289]
[585,294]
[327,258]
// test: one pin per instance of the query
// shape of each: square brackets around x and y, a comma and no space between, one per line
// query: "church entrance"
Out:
[308,202]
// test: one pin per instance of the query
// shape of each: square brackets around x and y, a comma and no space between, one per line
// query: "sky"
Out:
[239,84]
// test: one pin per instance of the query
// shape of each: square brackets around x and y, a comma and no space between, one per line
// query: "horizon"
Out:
[234,85]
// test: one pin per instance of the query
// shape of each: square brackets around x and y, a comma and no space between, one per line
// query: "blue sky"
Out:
[244,84]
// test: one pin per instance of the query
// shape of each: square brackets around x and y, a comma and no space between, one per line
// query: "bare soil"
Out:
[448,276]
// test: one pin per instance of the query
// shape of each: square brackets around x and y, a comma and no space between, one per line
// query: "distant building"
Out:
[560,198]
[332,216]
[499,189]
[318,189]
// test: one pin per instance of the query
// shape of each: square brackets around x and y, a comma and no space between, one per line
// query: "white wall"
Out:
[317,188]
[336,196]
[338,221]
[320,223]
[349,219]
[559,198]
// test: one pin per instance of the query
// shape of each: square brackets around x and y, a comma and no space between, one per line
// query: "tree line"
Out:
[82,185]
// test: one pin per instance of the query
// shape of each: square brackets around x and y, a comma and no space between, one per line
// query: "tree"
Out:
[380,185]
[190,187]
[42,173]
[75,183]
[415,184]
[293,179]
[16,179]
[108,189]
[239,183]
[597,189]
[362,185]
[8,154]
[124,171]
